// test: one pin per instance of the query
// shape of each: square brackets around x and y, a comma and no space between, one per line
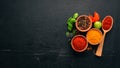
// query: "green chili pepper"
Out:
[70,28]
[74,32]
[70,25]
[69,19]
[72,20]
[67,34]
[75,15]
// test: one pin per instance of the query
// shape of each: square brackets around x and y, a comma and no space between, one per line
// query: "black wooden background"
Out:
[32,34]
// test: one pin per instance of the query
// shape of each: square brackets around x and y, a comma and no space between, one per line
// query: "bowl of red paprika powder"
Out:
[79,43]
[83,23]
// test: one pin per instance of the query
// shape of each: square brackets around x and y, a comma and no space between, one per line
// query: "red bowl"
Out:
[81,44]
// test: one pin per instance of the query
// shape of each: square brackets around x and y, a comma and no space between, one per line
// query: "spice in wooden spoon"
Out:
[107,24]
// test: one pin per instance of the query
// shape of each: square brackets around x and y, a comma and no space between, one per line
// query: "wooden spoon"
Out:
[100,47]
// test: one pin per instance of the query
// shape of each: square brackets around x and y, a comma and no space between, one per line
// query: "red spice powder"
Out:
[79,43]
[107,23]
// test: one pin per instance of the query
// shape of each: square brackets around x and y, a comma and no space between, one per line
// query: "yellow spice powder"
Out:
[94,36]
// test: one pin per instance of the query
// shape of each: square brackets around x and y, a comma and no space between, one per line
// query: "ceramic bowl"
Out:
[78,47]
[83,23]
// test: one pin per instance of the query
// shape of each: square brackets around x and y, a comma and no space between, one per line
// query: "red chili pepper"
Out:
[91,17]
[96,16]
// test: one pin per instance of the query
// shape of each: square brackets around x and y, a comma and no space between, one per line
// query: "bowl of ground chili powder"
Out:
[83,23]
[79,43]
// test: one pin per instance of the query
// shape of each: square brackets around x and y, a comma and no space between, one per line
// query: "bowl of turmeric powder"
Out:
[94,36]
[79,43]
[83,23]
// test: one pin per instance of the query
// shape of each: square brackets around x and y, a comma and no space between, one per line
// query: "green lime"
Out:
[98,24]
